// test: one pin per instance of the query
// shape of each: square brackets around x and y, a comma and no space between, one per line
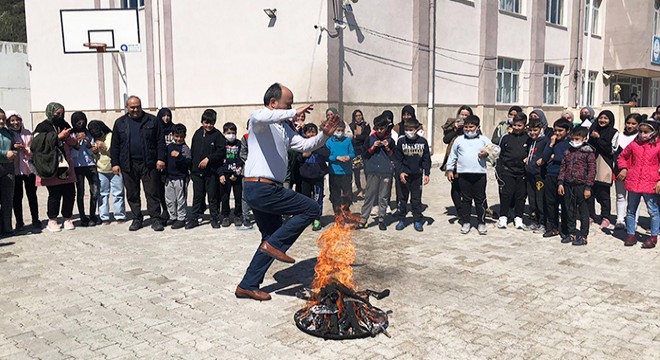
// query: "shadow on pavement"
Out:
[293,279]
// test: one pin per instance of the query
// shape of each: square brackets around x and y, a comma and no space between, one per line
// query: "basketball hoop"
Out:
[99,47]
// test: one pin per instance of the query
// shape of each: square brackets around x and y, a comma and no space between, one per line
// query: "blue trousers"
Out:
[269,202]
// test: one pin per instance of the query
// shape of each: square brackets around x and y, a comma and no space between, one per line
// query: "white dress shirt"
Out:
[269,138]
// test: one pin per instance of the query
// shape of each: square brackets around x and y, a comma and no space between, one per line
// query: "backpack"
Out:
[48,159]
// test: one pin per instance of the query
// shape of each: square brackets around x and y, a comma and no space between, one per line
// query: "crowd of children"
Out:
[562,170]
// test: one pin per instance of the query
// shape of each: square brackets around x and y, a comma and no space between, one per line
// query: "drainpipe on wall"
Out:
[590,20]
[431,99]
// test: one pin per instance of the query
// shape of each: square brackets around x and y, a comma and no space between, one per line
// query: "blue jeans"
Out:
[111,183]
[269,202]
[652,206]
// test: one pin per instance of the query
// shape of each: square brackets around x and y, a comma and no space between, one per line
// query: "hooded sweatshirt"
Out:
[514,150]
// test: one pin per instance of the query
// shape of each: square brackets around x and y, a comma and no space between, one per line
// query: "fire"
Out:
[336,256]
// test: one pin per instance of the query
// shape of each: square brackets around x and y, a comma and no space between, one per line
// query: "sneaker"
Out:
[84,221]
[400,225]
[540,230]
[19,227]
[532,227]
[157,225]
[419,226]
[581,240]
[68,224]
[465,228]
[605,223]
[374,211]
[619,226]
[630,241]
[226,222]
[316,226]
[501,223]
[135,225]
[565,239]
[37,224]
[178,224]
[238,221]
[247,224]
[482,229]
[95,219]
[381,224]
[215,223]
[53,226]
[193,223]
[550,233]
[518,223]
[170,222]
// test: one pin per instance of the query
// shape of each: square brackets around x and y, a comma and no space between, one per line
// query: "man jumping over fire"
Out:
[271,134]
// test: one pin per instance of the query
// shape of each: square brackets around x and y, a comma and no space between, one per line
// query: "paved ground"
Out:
[107,293]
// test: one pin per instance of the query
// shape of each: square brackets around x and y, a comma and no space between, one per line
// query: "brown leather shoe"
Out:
[630,241]
[650,243]
[252,294]
[267,249]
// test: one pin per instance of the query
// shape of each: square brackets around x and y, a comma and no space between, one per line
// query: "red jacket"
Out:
[578,166]
[642,162]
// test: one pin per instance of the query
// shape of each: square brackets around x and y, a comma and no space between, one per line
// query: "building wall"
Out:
[15,79]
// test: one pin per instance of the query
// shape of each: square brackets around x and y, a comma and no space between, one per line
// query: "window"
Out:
[553,11]
[132,4]
[594,24]
[622,87]
[508,75]
[591,86]
[655,92]
[510,6]
[551,84]
[656,17]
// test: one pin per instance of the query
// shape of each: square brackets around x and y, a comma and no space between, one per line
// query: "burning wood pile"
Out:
[335,309]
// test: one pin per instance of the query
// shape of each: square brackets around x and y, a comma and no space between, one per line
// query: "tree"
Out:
[12,21]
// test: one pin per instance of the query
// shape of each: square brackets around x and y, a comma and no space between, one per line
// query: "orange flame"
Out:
[337,254]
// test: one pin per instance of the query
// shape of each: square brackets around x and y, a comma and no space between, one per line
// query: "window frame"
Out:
[516,6]
[595,30]
[552,77]
[126,4]
[591,87]
[558,7]
[656,17]
[508,70]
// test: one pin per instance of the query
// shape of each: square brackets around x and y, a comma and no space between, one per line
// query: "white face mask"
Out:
[411,134]
[339,134]
[470,134]
[230,137]
[576,144]
[420,132]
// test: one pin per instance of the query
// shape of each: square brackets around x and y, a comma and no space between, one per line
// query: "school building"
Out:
[372,55]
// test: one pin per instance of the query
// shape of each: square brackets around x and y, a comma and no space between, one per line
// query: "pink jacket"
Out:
[642,162]
[25,138]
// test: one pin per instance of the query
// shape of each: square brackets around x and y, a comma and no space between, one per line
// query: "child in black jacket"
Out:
[231,176]
[510,171]
[208,153]
[178,172]
[535,171]
[412,161]
[313,167]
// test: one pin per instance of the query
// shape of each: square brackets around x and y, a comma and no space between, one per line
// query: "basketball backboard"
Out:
[117,28]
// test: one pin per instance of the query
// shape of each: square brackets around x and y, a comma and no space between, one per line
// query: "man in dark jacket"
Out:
[138,153]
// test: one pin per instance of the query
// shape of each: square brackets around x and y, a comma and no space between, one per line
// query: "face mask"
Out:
[339,134]
[644,136]
[420,132]
[230,137]
[576,144]
[470,134]
[411,134]
[585,117]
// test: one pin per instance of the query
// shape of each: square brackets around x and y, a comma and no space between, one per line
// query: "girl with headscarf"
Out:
[587,116]
[361,131]
[7,156]
[167,123]
[108,181]
[24,176]
[85,166]
[603,137]
[61,188]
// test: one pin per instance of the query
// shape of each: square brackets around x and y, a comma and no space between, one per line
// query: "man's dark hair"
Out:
[229,126]
[520,117]
[563,124]
[179,130]
[273,92]
[209,116]
[535,124]
[381,121]
[412,122]
[580,131]
[472,120]
[309,126]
